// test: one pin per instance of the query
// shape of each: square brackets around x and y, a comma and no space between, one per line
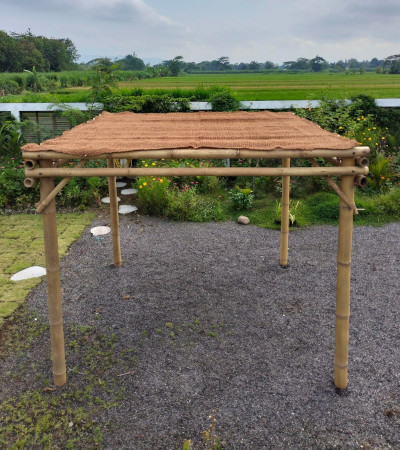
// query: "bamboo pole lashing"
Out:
[196,171]
[53,281]
[343,281]
[112,189]
[43,203]
[284,244]
[337,189]
[205,153]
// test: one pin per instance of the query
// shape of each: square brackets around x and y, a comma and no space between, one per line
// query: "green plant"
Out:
[224,100]
[380,173]
[241,199]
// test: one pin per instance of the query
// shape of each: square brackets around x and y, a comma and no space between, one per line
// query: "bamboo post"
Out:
[53,281]
[285,215]
[112,189]
[343,279]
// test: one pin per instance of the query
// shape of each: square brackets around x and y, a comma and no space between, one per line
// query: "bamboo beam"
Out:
[285,216]
[195,171]
[205,153]
[29,182]
[343,280]
[53,281]
[43,203]
[31,163]
[337,189]
[112,189]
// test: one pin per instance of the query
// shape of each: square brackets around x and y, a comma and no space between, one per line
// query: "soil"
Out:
[222,330]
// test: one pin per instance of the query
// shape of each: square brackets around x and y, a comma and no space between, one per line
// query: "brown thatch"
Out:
[126,131]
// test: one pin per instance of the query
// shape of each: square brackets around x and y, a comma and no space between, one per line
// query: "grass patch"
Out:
[46,417]
[22,246]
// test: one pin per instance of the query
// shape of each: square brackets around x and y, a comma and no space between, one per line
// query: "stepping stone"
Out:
[128,191]
[99,231]
[120,184]
[107,199]
[126,209]
[30,272]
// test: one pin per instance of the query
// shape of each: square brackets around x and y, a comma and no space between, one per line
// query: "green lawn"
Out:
[21,246]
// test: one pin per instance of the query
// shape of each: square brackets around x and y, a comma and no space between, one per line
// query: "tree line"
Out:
[24,51]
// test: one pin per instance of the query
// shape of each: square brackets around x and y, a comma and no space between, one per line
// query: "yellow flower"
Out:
[369,139]
[153,164]
[383,138]
[140,187]
[161,180]
[146,165]
[374,128]
[340,128]
[143,161]
[144,184]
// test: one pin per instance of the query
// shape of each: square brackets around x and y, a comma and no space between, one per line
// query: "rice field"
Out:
[282,86]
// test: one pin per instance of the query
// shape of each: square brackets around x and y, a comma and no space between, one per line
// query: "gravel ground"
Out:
[221,326]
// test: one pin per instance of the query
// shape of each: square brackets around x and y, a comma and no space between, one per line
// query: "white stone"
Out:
[128,191]
[99,231]
[243,220]
[107,199]
[126,209]
[30,272]
[120,184]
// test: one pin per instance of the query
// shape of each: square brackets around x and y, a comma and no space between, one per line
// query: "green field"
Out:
[246,86]
[282,86]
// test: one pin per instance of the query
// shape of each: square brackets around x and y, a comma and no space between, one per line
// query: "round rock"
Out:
[99,231]
[107,199]
[120,184]
[126,209]
[128,191]
[30,272]
[243,220]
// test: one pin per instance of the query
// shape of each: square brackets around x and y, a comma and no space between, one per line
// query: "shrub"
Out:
[224,101]
[241,199]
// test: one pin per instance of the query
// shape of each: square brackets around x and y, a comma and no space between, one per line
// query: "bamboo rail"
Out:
[112,190]
[343,280]
[213,153]
[53,281]
[285,215]
[196,171]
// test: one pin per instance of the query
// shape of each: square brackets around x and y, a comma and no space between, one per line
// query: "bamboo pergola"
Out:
[211,135]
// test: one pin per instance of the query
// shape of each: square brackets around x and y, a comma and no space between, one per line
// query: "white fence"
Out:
[17,108]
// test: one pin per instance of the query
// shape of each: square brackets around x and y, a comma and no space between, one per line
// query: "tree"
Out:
[254,65]
[174,65]
[318,64]
[10,53]
[132,62]
[394,62]
[269,65]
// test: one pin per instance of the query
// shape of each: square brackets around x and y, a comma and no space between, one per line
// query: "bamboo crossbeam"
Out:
[285,216]
[112,191]
[213,153]
[53,282]
[43,203]
[343,280]
[196,171]
[337,189]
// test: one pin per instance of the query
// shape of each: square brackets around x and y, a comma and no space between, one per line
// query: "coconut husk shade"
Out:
[204,135]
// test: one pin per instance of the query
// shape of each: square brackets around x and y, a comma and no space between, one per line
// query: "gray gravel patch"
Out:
[219,325]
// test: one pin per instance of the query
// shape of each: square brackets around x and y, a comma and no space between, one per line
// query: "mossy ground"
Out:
[38,415]
[21,246]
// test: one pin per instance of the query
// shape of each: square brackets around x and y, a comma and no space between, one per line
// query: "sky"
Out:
[200,30]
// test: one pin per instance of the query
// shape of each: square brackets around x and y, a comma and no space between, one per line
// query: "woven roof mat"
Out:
[126,131]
